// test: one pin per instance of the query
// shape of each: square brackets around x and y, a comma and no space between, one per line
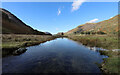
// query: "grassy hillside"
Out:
[105,27]
[11,24]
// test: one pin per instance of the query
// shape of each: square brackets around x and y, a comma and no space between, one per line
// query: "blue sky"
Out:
[57,17]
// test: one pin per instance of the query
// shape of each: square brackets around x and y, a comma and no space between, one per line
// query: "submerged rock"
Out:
[19,51]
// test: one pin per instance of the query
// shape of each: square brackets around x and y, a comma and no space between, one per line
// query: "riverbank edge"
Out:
[28,44]
[113,58]
[24,44]
[108,53]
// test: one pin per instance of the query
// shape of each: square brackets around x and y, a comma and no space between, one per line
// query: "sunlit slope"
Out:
[109,26]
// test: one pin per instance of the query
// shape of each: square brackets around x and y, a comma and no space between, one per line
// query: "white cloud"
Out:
[111,17]
[76,4]
[59,12]
[93,21]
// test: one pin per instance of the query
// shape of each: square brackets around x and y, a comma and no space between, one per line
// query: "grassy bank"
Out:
[106,42]
[111,64]
[12,42]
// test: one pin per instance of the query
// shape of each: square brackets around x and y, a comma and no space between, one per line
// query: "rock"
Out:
[19,51]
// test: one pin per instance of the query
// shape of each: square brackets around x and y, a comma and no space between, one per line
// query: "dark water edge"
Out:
[57,56]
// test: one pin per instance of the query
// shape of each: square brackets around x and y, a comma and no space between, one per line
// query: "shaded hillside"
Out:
[108,27]
[12,25]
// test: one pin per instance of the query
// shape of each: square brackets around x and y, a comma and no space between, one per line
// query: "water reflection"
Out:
[96,49]
[57,56]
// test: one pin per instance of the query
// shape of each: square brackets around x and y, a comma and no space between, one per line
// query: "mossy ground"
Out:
[111,64]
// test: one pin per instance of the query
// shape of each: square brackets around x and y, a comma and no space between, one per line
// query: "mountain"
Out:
[109,26]
[47,33]
[13,25]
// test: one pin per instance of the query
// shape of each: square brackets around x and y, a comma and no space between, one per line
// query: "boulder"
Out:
[19,51]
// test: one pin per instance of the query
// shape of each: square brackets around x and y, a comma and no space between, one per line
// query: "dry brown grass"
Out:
[15,41]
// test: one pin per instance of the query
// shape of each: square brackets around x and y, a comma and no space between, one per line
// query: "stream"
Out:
[61,55]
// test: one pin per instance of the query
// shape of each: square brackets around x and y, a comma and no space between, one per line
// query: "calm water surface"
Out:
[57,56]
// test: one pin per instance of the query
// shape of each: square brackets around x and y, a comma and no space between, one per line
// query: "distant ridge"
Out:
[109,26]
[13,25]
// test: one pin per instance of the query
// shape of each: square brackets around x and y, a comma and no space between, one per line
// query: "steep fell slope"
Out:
[12,25]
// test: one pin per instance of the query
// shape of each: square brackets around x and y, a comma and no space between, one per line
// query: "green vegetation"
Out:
[111,64]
